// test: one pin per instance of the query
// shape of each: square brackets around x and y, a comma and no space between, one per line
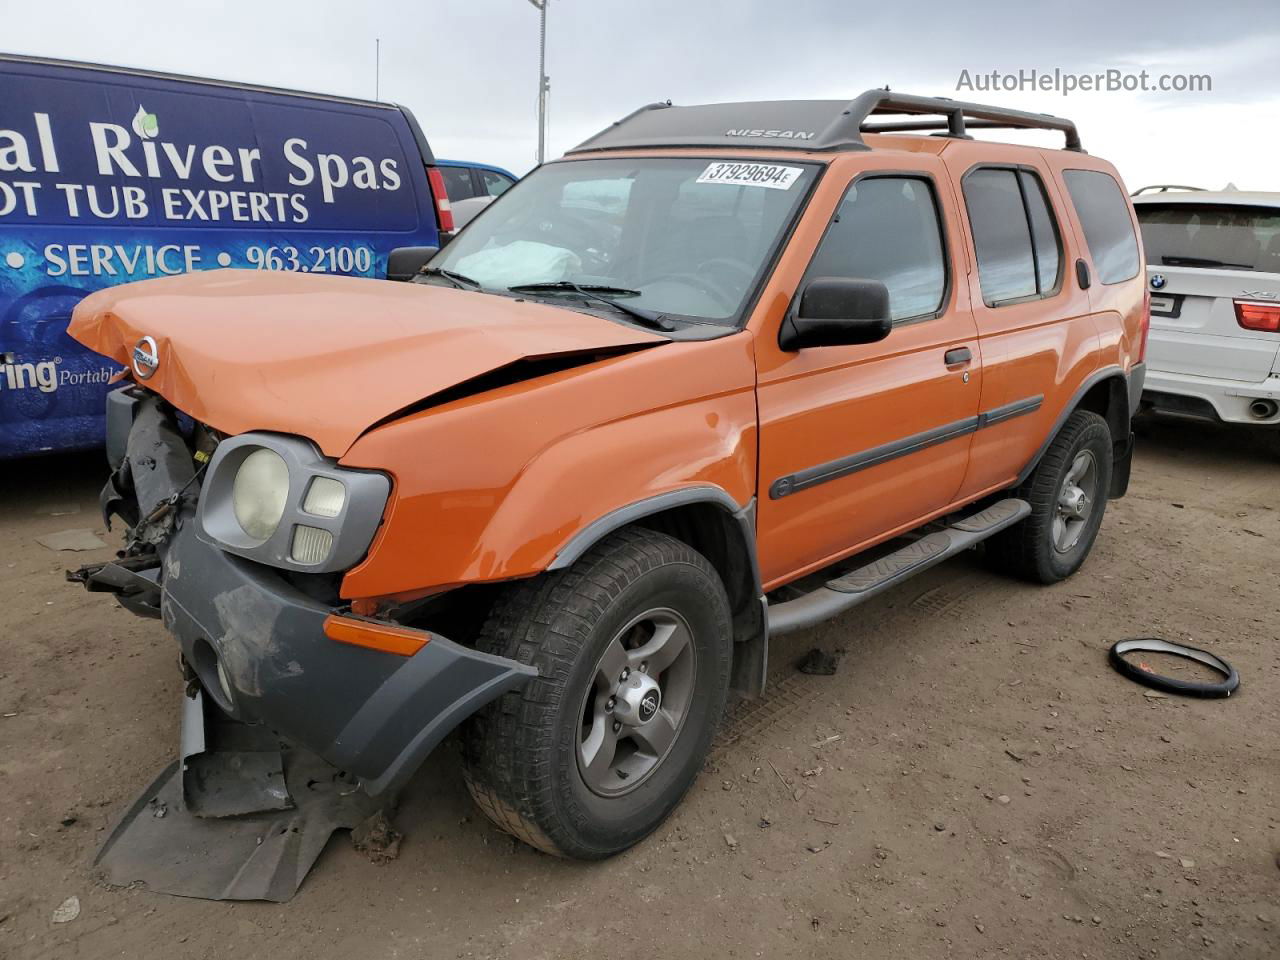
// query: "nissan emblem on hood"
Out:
[146,358]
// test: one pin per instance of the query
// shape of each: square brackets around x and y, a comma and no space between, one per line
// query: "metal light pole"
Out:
[544,82]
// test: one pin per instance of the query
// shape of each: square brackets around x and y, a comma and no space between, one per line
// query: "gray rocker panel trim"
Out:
[1010,410]
[835,469]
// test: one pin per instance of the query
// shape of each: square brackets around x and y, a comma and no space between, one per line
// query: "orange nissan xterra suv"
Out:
[719,373]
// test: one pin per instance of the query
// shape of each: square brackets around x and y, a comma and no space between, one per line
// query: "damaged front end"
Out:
[154,472]
[295,722]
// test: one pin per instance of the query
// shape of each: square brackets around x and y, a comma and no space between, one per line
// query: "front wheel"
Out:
[1068,496]
[632,646]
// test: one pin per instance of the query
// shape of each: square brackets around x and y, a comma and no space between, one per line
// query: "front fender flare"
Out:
[598,529]
[750,655]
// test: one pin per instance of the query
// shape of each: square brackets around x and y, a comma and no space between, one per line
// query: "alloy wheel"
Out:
[1076,501]
[637,702]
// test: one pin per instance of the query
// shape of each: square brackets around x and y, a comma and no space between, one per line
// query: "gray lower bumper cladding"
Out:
[240,816]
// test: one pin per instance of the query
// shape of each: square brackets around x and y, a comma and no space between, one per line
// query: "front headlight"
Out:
[259,492]
[278,500]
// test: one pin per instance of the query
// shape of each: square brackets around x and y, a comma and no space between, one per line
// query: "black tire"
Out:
[521,752]
[1028,550]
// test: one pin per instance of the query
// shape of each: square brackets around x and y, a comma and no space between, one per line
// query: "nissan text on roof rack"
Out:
[1213,268]
[679,391]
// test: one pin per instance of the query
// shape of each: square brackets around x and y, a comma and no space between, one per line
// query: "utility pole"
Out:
[377,68]
[544,82]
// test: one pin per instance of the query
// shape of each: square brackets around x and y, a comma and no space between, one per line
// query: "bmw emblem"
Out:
[1157,281]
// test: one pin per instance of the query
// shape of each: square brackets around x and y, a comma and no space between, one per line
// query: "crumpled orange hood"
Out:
[320,356]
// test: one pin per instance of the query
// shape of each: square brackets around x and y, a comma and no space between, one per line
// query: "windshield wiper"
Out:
[602,293]
[1202,262]
[459,280]
[604,289]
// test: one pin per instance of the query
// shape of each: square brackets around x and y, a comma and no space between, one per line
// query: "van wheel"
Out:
[1068,496]
[632,645]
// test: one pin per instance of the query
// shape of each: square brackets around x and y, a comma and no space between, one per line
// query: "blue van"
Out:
[109,175]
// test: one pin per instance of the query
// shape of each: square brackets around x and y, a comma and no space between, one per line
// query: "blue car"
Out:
[464,180]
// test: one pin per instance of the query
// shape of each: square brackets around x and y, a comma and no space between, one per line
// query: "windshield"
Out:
[675,237]
[1212,236]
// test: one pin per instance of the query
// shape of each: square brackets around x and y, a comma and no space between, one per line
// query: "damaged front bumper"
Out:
[236,817]
[256,641]
[258,645]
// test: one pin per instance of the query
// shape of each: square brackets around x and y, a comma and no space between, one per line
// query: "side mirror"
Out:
[404,263]
[835,312]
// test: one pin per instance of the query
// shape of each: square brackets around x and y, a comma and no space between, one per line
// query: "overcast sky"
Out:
[468,68]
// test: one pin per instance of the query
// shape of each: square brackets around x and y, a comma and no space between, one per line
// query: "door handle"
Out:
[1082,275]
[957,356]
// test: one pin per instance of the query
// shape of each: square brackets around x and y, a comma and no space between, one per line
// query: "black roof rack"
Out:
[812,124]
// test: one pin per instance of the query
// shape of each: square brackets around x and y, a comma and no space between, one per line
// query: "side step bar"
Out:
[860,585]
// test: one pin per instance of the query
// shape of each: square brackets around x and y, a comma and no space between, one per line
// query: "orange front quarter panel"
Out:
[491,487]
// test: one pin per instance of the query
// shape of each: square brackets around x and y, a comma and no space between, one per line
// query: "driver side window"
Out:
[888,229]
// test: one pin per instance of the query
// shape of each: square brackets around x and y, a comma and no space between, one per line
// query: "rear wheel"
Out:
[1068,496]
[632,646]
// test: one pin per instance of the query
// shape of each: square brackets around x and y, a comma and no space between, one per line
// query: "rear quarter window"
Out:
[1104,214]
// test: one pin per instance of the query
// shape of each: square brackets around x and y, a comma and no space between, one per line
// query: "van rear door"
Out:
[108,176]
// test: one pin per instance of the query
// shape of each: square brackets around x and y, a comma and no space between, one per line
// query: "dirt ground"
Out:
[974,781]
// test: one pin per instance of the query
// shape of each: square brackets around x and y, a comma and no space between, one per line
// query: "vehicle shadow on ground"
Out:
[1222,445]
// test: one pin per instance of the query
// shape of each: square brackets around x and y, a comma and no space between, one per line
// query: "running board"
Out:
[860,585]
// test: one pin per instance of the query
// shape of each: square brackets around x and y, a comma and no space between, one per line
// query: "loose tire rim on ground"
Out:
[1075,501]
[637,703]
[1226,687]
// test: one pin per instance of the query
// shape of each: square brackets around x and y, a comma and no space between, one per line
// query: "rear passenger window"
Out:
[457,183]
[1108,230]
[1014,234]
[1044,231]
[888,229]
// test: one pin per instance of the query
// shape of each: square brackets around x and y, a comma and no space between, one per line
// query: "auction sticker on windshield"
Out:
[771,175]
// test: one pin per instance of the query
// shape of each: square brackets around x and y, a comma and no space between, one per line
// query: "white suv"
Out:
[1213,271]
